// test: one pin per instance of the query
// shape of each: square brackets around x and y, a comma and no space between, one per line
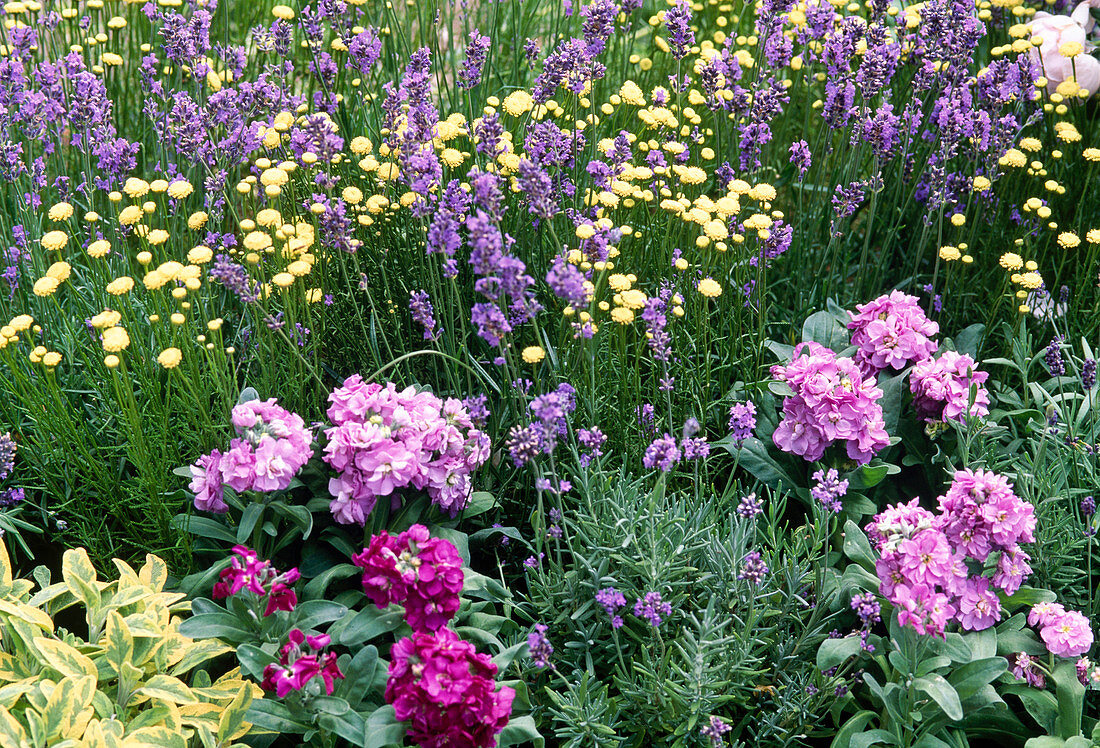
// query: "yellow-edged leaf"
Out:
[79,576]
[64,658]
[103,734]
[118,641]
[156,737]
[198,652]
[167,688]
[10,694]
[5,569]
[11,732]
[69,697]
[27,613]
[232,724]
[154,573]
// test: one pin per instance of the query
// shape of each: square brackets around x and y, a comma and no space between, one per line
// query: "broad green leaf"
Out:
[853,726]
[969,678]
[383,729]
[203,527]
[274,717]
[359,674]
[369,623]
[519,731]
[857,547]
[868,738]
[832,652]
[252,515]
[253,660]
[479,503]
[1041,705]
[756,460]
[942,692]
[824,328]
[214,625]
[1011,642]
[313,613]
[1071,699]
[348,725]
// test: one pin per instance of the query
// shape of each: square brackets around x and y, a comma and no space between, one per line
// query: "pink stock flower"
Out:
[206,484]
[980,513]
[830,401]
[1042,614]
[384,440]
[979,606]
[1012,570]
[941,388]
[415,570]
[272,445]
[890,333]
[445,690]
[1067,635]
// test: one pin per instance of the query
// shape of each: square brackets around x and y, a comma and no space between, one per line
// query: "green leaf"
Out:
[505,659]
[853,726]
[756,461]
[872,737]
[940,691]
[857,547]
[333,705]
[348,725]
[203,527]
[248,394]
[458,538]
[215,626]
[824,328]
[893,395]
[253,660]
[313,613]
[1071,699]
[383,729]
[967,340]
[369,623]
[969,678]
[1011,642]
[1028,596]
[359,674]
[1045,741]
[272,715]
[832,652]
[520,730]
[252,515]
[956,647]
[317,586]
[1041,705]
[479,503]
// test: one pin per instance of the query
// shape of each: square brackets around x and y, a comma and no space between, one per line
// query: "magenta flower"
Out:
[300,661]
[891,332]
[247,572]
[415,570]
[445,690]
[979,606]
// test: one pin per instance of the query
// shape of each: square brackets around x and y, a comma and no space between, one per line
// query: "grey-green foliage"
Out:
[731,648]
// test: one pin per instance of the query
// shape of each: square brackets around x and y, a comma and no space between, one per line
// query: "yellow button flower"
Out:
[170,358]
[710,288]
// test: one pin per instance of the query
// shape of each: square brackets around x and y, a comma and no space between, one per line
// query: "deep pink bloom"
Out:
[415,570]
[890,333]
[247,572]
[445,689]
[300,661]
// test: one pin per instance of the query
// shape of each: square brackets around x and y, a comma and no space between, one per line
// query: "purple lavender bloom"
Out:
[829,489]
[1088,373]
[652,608]
[1088,506]
[567,282]
[867,608]
[801,157]
[476,50]
[680,35]
[742,420]
[11,497]
[477,406]
[1053,356]
[750,506]
[663,454]
[599,22]
[524,443]
[420,305]
[491,323]
[714,730]
[539,647]
[611,600]
[656,321]
[847,199]
[538,188]
[7,455]
[236,278]
[695,448]
[753,569]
